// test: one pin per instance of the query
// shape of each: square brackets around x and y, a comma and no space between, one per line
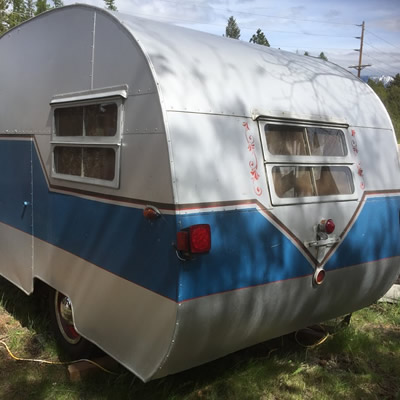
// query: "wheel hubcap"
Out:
[65,321]
[66,310]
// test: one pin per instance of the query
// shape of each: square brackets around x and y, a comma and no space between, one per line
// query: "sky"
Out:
[314,26]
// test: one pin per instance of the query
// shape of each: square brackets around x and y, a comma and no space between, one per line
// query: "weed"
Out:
[357,362]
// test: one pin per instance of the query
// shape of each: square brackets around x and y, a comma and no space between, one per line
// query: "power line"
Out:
[379,61]
[372,33]
[375,66]
[382,52]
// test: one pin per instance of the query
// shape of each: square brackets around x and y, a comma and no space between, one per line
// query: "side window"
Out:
[89,162]
[306,163]
[86,141]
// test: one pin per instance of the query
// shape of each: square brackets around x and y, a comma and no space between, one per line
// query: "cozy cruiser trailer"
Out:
[186,195]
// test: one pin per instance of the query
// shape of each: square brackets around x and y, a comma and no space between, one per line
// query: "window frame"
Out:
[82,99]
[271,160]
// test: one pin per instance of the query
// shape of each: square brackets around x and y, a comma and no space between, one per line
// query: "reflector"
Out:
[329,226]
[319,276]
[151,213]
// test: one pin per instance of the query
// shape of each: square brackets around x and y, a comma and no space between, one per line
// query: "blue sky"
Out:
[313,26]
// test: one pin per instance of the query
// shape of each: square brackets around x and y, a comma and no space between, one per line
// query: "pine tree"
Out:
[58,3]
[306,53]
[259,38]
[322,56]
[110,4]
[395,81]
[390,97]
[17,15]
[29,9]
[41,6]
[232,29]
[4,4]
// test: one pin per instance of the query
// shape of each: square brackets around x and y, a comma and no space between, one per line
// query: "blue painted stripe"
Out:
[116,238]
[16,184]
[247,249]
[374,235]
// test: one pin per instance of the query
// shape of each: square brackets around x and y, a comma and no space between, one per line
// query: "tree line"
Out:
[14,12]
[232,30]
[390,97]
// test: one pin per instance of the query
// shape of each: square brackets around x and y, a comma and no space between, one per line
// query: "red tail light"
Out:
[327,226]
[200,238]
[195,239]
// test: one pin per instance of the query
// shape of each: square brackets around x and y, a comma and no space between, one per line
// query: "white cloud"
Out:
[389,24]
[288,24]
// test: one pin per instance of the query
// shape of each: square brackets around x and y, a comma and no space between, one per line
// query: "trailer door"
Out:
[16,223]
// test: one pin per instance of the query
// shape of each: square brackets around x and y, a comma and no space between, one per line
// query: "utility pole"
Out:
[359,67]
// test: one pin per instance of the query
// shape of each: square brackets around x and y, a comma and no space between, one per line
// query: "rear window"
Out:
[307,163]
[299,181]
[289,140]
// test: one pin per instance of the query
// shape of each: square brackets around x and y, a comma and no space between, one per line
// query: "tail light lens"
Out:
[195,239]
[327,226]
[200,238]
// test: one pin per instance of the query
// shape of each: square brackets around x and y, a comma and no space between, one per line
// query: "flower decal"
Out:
[253,164]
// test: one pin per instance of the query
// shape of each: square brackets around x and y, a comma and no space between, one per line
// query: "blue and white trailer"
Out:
[186,195]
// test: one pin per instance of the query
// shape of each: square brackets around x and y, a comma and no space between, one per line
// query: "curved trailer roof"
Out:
[203,73]
[200,72]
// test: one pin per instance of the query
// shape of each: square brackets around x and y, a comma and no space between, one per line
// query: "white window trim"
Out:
[114,142]
[271,160]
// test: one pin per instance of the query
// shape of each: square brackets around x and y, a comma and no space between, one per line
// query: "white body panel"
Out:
[111,309]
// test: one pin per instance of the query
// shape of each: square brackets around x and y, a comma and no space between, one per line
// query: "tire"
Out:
[68,339]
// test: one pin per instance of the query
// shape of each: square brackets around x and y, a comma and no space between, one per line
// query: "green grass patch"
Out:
[361,361]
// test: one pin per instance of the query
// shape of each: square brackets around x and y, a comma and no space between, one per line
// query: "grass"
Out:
[361,361]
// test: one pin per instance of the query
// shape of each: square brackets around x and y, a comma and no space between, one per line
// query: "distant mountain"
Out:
[385,79]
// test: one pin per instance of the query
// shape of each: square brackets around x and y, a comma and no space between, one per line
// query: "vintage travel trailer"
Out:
[184,195]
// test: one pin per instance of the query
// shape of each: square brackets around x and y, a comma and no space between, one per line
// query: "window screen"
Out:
[86,142]
[90,120]
[90,162]
[69,121]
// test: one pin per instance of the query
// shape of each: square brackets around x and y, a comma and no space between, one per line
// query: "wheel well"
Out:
[40,286]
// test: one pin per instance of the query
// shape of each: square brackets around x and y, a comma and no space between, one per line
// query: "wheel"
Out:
[69,340]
